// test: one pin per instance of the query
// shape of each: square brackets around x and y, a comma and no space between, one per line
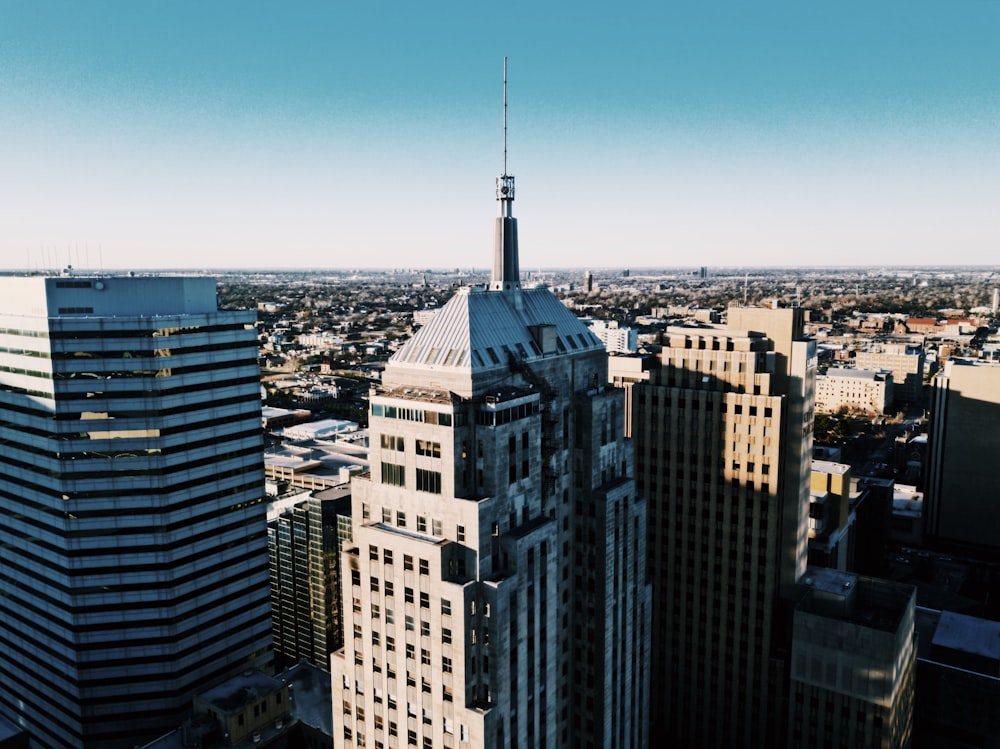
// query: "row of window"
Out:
[412,414]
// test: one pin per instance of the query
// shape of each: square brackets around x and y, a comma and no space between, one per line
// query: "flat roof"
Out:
[968,634]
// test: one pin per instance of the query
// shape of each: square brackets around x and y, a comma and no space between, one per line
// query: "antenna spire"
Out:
[505,115]
[506,271]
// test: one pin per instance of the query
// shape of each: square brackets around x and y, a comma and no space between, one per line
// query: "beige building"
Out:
[722,422]
[963,483]
[495,593]
[856,390]
[830,519]
[906,364]
[853,663]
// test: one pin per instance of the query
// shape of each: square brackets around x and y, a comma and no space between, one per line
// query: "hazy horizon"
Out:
[224,135]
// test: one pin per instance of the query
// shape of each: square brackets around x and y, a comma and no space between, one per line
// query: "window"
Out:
[407,562]
[446,635]
[372,552]
[393,475]
[425,567]
[386,515]
[428,481]
[392,442]
[431,449]
[445,607]
[425,656]
[425,600]
[460,534]
[390,644]
[408,595]
[374,585]
[411,650]
[387,556]
[425,629]
[389,590]
[390,615]
[446,664]
[421,520]
[436,527]
[376,611]
[400,519]
[409,623]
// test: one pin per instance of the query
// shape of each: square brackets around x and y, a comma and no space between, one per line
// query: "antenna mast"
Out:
[505,115]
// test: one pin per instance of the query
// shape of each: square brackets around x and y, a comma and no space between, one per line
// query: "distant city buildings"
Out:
[854,390]
[617,338]
[906,363]
[134,570]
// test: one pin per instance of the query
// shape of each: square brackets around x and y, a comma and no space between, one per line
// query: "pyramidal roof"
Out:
[481,329]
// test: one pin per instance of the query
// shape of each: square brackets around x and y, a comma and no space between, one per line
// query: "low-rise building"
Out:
[906,364]
[617,338]
[855,390]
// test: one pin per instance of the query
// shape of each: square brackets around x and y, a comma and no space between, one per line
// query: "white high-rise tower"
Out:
[496,593]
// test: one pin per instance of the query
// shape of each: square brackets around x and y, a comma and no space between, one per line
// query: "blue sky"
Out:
[229,134]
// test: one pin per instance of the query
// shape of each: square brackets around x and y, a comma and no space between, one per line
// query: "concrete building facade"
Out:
[495,594]
[722,422]
[135,565]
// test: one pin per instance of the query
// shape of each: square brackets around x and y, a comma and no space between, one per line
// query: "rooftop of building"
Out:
[869,602]
[236,693]
[856,374]
[481,329]
[425,395]
[310,703]
[968,634]
[828,466]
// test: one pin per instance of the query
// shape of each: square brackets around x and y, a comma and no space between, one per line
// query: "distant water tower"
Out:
[588,281]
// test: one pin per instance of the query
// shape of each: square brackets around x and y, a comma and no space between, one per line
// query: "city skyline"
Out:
[232,135]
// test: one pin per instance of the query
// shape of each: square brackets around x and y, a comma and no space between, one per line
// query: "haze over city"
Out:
[250,135]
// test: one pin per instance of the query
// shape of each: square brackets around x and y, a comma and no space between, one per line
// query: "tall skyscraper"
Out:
[963,482]
[722,421]
[496,595]
[134,564]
